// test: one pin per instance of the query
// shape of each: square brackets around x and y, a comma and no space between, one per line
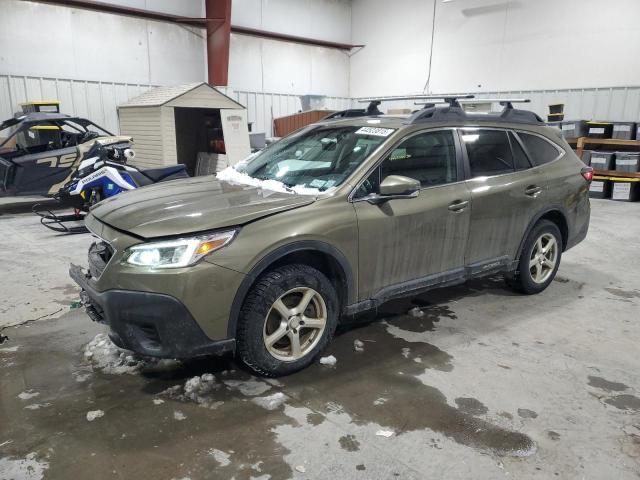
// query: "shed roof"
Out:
[159,96]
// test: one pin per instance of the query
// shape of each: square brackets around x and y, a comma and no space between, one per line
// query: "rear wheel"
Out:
[288,317]
[539,259]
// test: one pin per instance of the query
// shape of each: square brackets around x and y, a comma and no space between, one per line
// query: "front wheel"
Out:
[539,260]
[288,317]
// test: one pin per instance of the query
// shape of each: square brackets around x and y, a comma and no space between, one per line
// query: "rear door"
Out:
[506,193]
[404,240]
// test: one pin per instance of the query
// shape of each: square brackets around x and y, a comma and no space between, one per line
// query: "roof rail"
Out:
[516,115]
[438,114]
[450,98]
[502,101]
[455,112]
[373,110]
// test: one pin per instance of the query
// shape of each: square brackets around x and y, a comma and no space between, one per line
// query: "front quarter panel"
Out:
[330,221]
[205,289]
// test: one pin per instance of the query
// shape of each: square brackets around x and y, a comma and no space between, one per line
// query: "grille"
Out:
[99,255]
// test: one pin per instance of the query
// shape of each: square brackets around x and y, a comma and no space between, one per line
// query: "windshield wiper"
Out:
[288,188]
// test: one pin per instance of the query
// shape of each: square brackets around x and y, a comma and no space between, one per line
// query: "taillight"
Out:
[587,173]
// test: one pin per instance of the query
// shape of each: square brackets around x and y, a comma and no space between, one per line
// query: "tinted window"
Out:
[520,160]
[489,152]
[540,150]
[427,157]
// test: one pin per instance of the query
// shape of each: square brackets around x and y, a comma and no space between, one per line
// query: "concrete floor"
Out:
[487,384]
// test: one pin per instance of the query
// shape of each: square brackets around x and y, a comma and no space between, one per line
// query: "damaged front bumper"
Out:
[153,324]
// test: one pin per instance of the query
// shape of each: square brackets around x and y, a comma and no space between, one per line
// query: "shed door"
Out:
[236,134]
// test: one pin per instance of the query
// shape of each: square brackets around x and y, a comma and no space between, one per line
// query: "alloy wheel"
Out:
[544,257]
[294,324]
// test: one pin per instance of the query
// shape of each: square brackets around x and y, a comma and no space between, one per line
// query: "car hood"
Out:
[192,205]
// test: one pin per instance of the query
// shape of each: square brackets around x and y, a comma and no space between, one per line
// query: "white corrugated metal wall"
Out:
[609,104]
[98,101]
[262,108]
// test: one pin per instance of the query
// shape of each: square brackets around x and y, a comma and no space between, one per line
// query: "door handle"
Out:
[458,205]
[532,190]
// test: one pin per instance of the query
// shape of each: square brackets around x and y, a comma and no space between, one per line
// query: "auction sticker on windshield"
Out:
[378,132]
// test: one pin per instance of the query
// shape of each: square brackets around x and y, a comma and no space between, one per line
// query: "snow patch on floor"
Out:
[330,360]
[251,387]
[271,402]
[178,415]
[15,348]
[27,468]
[93,414]
[416,312]
[82,377]
[108,358]
[223,458]
[385,433]
[37,406]
[198,389]
[28,394]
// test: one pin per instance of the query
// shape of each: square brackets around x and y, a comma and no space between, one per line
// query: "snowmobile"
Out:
[101,173]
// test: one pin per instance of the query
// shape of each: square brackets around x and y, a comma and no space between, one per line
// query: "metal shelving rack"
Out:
[607,174]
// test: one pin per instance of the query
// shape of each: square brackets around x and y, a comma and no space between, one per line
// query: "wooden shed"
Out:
[180,124]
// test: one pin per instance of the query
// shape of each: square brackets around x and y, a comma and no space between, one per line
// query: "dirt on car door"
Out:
[506,193]
[401,240]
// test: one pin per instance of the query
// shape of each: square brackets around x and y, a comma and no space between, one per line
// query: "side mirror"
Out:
[396,186]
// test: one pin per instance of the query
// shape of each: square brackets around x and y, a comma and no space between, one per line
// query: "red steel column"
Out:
[218,13]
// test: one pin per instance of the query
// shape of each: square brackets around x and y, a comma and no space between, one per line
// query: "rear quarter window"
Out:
[540,151]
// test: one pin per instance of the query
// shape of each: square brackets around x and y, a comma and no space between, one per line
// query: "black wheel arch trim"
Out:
[279,253]
[536,219]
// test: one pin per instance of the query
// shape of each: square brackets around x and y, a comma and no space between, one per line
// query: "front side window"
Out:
[540,150]
[489,152]
[429,157]
[317,158]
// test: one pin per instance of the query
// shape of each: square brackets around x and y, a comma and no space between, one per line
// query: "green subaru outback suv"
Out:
[265,259]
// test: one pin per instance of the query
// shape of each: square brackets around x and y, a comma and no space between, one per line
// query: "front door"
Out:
[506,192]
[409,239]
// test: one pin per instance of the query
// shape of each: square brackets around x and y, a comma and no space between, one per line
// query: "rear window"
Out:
[541,151]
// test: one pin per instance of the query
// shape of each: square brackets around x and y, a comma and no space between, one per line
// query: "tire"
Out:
[262,320]
[534,276]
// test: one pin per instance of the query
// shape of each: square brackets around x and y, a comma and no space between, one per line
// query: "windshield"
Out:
[315,159]
[33,137]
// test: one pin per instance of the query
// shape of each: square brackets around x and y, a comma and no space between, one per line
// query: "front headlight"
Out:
[180,252]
